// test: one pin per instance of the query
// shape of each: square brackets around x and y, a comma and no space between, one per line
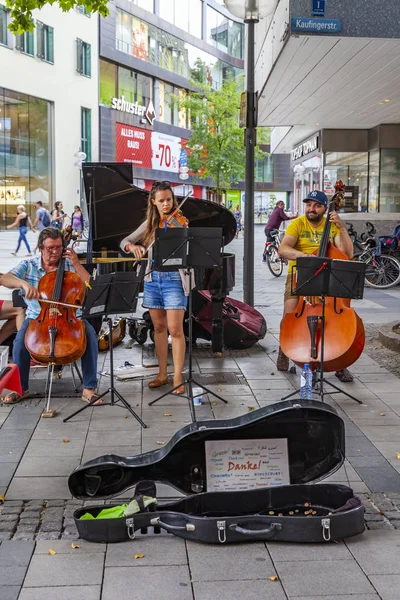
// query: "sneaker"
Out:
[29,254]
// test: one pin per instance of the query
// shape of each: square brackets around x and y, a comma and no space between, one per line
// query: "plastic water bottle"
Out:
[306,383]
[197,392]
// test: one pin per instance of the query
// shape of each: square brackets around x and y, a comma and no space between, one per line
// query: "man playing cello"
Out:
[302,237]
[26,276]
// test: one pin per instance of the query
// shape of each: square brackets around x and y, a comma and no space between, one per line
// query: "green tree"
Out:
[21,10]
[216,145]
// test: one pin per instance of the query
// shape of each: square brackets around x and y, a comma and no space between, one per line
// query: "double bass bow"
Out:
[57,336]
[301,330]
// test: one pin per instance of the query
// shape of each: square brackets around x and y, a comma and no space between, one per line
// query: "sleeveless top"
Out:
[23,222]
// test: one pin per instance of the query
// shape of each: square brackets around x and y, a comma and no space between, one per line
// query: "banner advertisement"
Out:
[148,149]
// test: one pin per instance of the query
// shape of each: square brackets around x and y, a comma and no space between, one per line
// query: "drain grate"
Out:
[221,378]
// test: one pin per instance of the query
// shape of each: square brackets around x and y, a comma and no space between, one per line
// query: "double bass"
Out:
[57,336]
[301,330]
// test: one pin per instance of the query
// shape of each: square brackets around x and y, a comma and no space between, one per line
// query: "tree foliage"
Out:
[21,10]
[216,145]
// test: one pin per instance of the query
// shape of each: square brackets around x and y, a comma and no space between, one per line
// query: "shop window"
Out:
[45,42]
[3,25]
[108,82]
[352,169]
[25,152]
[389,200]
[126,84]
[86,133]
[264,170]
[83,58]
[25,43]
[373,184]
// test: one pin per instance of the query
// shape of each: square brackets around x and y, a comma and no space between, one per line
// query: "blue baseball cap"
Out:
[317,196]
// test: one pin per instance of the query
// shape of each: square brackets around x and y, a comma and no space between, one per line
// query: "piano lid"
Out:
[119,207]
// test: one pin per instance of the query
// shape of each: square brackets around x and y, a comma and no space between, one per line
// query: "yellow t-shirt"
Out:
[308,236]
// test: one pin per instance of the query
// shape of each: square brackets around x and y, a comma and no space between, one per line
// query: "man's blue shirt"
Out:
[31,271]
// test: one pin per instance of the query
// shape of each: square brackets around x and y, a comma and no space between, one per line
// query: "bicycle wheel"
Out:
[382,272]
[274,261]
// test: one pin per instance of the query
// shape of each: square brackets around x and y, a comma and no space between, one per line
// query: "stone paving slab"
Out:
[35,488]
[61,569]
[76,592]
[245,590]
[157,583]
[334,577]
[387,586]
[157,551]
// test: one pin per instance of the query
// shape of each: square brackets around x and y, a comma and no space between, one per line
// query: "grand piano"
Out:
[116,207]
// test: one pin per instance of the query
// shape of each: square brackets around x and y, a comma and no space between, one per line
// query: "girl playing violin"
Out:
[165,293]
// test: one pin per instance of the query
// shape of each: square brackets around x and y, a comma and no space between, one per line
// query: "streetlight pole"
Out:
[250,141]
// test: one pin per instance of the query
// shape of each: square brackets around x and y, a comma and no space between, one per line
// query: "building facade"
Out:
[326,76]
[48,109]
[149,50]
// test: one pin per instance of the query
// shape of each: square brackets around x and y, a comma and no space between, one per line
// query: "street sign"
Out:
[306,25]
[183,176]
[318,8]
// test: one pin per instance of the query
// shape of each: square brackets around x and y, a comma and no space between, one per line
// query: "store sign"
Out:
[306,147]
[134,108]
[148,149]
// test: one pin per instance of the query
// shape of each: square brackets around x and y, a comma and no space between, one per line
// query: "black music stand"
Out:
[320,276]
[179,248]
[110,294]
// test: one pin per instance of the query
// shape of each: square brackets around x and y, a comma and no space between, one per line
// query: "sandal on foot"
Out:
[344,375]
[89,399]
[179,390]
[14,398]
[157,382]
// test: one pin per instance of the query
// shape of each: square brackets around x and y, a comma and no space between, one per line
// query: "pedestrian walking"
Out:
[58,216]
[237,213]
[77,222]
[22,221]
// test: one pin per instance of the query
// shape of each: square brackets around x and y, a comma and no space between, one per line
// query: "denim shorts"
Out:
[164,291]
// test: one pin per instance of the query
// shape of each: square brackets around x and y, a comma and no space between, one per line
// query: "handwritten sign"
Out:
[246,464]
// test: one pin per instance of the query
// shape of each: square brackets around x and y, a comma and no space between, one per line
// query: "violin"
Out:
[174,219]
[57,336]
[301,333]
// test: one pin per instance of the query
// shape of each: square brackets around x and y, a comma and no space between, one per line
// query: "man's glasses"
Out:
[52,248]
[161,184]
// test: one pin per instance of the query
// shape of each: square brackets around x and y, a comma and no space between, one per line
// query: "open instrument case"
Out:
[249,478]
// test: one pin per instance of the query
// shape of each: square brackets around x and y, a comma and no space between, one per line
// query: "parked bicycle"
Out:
[383,270]
[271,253]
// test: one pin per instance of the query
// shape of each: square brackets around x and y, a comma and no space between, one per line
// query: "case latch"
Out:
[326,529]
[130,525]
[221,526]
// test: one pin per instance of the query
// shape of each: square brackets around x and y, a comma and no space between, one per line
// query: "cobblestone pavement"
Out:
[37,455]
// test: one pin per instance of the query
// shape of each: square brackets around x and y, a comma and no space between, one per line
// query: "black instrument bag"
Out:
[255,477]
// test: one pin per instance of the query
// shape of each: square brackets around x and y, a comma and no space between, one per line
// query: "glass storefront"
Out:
[352,169]
[307,177]
[185,15]
[25,152]
[116,81]
[140,39]
[390,180]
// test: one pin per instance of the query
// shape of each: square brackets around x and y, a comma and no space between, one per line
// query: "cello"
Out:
[301,330]
[57,336]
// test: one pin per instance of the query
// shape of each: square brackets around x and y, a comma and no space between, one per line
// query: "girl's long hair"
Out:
[152,215]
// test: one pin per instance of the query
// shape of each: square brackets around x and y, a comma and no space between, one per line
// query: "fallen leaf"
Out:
[251,407]
[74,546]
[273,578]
[65,441]
[358,450]
[160,443]
[219,390]
[219,354]
[167,415]
[52,552]
[2,498]
[272,373]
[214,404]
[139,556]
[125,416]
[398,456]
[381,512]
[383,414]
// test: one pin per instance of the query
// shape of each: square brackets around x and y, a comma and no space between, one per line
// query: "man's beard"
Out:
[314,218]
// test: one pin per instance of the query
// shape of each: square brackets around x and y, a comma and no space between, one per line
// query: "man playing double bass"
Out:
[302,237]
[26,276]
